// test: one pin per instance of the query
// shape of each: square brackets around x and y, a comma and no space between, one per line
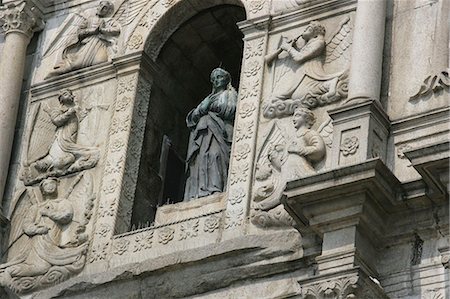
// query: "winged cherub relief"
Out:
[89,40]
[48,239]
[285,157]
[52,146]
[299,72]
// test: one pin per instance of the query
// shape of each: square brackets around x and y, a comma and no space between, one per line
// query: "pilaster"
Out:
[18,21]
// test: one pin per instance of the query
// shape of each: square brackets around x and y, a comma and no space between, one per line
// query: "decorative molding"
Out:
[20,17]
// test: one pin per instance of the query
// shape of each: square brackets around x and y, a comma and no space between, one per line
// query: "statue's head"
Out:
[220,78]
[314,29]
[49,186]
[303,116]
[66,96]
[105,8]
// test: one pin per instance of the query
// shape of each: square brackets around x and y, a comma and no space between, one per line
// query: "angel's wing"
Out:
[274,137]
[128,11]
[339,42]
[22,204]
[41,136]
[326,131]
[67,35]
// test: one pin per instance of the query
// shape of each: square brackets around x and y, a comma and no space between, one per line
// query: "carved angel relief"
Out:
[88,40]
[53,150]
[48,239]
[284,157]
[299,73]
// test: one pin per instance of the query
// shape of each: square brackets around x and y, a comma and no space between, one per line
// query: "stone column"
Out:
[18,21]
[367,50]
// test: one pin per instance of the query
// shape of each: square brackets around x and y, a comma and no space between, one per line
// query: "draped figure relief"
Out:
[53,148]
[88,40]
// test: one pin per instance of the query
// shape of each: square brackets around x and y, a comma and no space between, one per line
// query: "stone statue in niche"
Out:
[299,76]
[211,125]
[285,158]
[86,41]
[52,146]
[48,240]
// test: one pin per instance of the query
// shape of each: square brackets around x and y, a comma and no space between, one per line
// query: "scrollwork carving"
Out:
[432,84]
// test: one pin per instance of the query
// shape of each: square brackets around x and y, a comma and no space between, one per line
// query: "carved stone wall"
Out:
[328,195]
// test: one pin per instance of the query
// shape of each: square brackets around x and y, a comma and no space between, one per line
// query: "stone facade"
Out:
[338,178]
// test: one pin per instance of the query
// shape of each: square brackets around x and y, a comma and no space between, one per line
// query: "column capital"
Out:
[22,17]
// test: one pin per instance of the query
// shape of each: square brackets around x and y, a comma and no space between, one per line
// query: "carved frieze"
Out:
[52,146]
[87,40]
[284,157]
[298,71]
[49,235]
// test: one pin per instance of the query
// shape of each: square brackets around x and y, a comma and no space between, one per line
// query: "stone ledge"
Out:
[432,163]
[332,191]
[190,272]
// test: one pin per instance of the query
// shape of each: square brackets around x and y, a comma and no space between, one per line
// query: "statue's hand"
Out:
[203,107]
[285,46]
[293,148]
[41,230]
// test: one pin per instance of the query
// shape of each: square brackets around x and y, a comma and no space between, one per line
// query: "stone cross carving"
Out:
[90,40]
[48,239]
[299,76]
[282,159]
[211,125]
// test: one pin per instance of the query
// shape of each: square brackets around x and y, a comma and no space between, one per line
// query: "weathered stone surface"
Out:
[348,197]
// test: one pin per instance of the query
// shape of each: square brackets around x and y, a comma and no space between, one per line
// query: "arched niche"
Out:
[181,67]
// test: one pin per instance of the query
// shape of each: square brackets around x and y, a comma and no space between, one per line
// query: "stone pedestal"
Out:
[360,132]
[18,22]
[348,209]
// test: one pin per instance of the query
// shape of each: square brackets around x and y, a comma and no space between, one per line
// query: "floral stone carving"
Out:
[283,158]
[53,150]
[89,40]
[48,238]
[299,76]
[350,146]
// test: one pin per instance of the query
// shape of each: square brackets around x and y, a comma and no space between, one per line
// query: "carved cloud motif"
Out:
[300,76]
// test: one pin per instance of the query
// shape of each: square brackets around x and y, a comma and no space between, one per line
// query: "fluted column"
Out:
[18,21]
[367,50]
